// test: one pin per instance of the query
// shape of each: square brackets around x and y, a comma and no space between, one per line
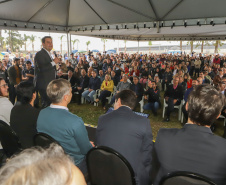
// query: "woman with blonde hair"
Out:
[188,80]
[106,90]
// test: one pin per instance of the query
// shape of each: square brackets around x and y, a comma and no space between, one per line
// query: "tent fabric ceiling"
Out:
[77,15]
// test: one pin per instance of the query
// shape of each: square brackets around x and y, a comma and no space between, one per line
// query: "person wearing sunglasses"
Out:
[5,104]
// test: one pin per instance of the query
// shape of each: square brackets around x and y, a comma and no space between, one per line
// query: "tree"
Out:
[150,44]
[26,37]
[32,39]
[104,41]
[61,42]
[40,41]
[181,46]
[1,40]
[88,43]
[217,44]
[192,45]
[125,46]
[73,42]
[14,39]
[202,44]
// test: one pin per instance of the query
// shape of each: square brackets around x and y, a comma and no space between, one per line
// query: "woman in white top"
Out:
[5,104]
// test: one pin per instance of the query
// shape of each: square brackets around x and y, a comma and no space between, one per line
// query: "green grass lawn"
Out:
[90,115]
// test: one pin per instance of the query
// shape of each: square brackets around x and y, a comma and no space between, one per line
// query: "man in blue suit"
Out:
[129,134]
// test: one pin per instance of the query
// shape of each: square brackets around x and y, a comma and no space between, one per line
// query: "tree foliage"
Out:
[14,40]
[104,41]
[32,39]
[88,43]
[150,44]
[25,39]
[73,43]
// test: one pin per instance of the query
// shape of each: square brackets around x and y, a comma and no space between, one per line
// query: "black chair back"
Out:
[43,140]
[185,178]
[108,167]
[9,140]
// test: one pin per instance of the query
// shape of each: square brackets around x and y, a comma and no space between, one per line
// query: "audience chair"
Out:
[95,96]
[179,107]
[221,116]
[182,114]
[44,140]
[98,91]
[9,140]
[142,104]
[185,178]
[108,167]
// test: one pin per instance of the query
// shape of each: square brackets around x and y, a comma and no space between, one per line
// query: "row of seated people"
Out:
[152,89]
[188,149]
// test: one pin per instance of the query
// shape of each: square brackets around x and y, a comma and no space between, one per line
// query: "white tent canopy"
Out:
[119,19]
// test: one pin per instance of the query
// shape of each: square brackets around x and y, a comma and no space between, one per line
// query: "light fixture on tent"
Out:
[225,22]
[15,25]
[135,26]
[78,29]
[85,28]
[56,28]
[100,28]
[117,27]
[49,28]
[125,26]
[138,28]
[172,25]
[154,24]
[5,24]
[144,25]
[108,27]
[42,27]
[185,24]
[211,22]
[162,24]
[34,26]
[25,25]
[198,23]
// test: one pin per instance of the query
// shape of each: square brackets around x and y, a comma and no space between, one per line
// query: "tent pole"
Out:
[68,43]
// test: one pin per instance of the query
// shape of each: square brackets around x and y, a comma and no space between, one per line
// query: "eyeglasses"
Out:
[4,85]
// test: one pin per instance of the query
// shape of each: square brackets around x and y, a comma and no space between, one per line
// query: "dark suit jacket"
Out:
[140,90]
[44,71]
[193,148]
[73,80]
[83,82]
[174,93]
[23,120]
[131,136]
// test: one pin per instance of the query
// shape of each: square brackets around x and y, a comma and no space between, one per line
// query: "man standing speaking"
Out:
[44,69]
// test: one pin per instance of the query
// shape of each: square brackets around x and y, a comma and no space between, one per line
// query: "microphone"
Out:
[55,53]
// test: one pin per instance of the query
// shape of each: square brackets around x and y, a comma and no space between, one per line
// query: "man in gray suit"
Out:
[129,134]
[44,69]
[195,148]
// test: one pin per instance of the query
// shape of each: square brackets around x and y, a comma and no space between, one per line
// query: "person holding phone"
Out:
[153,97]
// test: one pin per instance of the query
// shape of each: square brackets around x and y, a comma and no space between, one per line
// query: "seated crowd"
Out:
[197,81]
